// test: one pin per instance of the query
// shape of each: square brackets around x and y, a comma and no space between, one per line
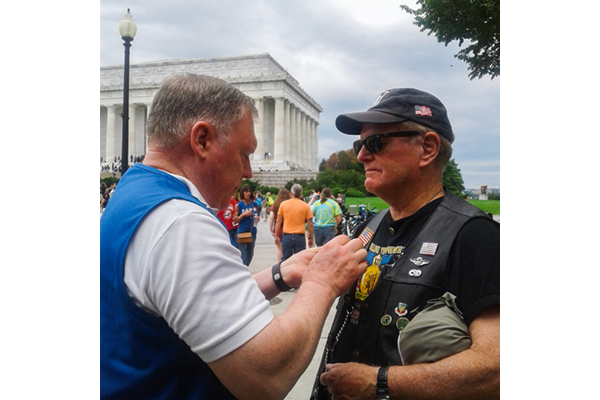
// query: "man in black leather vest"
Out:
[428,244]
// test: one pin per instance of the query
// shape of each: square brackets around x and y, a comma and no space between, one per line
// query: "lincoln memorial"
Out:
[286,129]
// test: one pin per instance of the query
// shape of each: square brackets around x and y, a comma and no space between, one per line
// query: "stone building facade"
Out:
[286,130]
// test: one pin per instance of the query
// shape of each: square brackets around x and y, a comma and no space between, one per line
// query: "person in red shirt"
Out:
[226,216]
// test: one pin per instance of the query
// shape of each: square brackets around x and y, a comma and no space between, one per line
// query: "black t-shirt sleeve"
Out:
[473,273]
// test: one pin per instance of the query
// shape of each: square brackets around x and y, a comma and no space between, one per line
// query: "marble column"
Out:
[293,118]
[148,109]
[259,123]
[131,134]
[311,144]
[111,114]
[298,138]
[304,141]
[286,130]
[316,148]
[279,139]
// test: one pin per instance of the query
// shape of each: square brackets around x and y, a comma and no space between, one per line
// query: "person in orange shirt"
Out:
[291,217]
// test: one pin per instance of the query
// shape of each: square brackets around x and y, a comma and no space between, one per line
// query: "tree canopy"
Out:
[475,20]
[453,179]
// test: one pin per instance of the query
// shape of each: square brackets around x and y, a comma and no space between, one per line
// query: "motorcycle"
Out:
[350,222]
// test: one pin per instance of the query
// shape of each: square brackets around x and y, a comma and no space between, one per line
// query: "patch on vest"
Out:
[401,310]
[365,236]
[428,249]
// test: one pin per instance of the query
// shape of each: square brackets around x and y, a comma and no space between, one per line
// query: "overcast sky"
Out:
[343,53]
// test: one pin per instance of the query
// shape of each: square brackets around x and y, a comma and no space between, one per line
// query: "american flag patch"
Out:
[428,249]
[365,236]
[423,110]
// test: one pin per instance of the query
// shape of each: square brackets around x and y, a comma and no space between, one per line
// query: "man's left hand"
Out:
[350,381]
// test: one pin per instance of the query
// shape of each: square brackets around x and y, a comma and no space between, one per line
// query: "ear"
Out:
[202,137]
[431,147]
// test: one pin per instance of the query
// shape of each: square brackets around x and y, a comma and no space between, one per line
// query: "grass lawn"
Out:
[370,202]
[488,206]
[491,206]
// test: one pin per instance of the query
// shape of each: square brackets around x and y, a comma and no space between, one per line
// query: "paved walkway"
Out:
[265,255]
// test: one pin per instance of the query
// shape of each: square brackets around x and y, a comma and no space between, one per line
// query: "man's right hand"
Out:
[338,264]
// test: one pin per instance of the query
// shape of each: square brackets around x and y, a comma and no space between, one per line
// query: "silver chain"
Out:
[329,351]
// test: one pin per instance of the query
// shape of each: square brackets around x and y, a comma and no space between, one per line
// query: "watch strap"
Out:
[381,390]
[278,279]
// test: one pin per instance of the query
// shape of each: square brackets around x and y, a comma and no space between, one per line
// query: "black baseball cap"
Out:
[399,105]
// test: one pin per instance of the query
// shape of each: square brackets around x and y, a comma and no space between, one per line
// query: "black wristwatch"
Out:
[381,392]
[278,279]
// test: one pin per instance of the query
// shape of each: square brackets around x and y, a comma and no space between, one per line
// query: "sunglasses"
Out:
[373,142]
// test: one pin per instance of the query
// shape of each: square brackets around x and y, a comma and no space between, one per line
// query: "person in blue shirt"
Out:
[259,200]
[328,215]
[180,315]
[246,214]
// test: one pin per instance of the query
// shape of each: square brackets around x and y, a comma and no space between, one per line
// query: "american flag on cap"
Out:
[423,110]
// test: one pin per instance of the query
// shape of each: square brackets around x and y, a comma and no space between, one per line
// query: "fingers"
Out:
[355,244]
[324,376]
[323,379]
[337,264]
[341,240]
[361,259]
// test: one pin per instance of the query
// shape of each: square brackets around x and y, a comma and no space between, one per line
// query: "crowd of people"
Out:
[418,286]
[246,209]
[105,193]
[115,166]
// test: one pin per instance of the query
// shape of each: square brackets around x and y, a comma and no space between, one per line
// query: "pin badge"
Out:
[415,272]
[368,280]
[401,310]
[401,323]
[386,320]
[419,261]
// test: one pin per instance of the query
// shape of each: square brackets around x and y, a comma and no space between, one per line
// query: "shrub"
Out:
[354,193]
[108,181]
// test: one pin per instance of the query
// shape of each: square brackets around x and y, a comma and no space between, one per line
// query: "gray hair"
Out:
[183,100]
[296,190]
[445,152]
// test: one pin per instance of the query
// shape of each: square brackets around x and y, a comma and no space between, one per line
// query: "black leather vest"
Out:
[415,278]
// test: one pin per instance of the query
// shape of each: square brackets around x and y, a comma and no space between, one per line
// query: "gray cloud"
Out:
[343,53]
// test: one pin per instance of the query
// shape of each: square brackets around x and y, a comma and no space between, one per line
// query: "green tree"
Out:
[342,160]
[477,21]
[322,164]
[452,179]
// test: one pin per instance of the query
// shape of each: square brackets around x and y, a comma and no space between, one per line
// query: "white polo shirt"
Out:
[180,265]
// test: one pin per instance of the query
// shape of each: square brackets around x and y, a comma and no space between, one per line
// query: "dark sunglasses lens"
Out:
[357,146]
[372,144]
